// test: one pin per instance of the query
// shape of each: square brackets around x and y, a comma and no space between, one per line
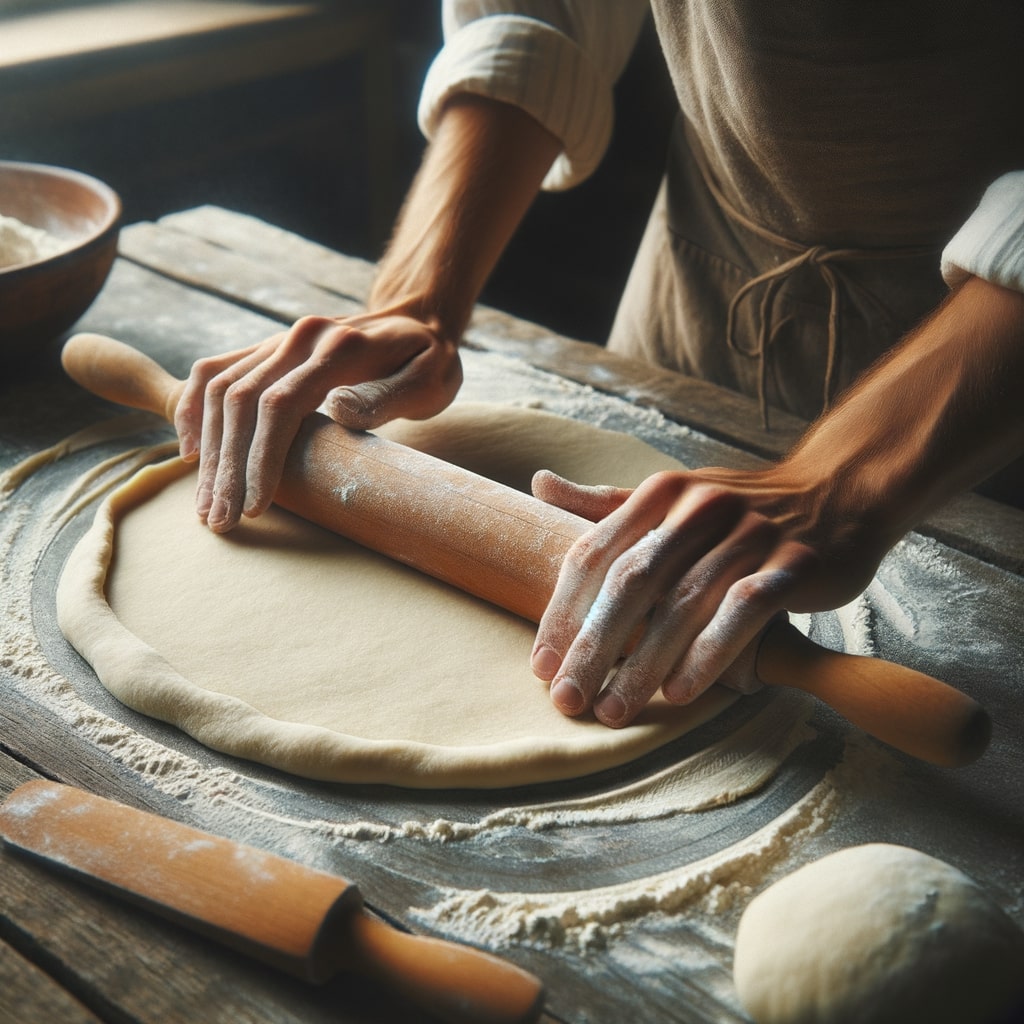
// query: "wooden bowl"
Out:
[39,300]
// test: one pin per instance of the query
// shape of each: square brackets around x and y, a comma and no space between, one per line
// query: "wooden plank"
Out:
[971,523]
[29,996]
[276,248]
[266,289]
[108,27]
[124,55]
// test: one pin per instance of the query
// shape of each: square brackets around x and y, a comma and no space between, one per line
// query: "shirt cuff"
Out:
[990,245]
[533,66]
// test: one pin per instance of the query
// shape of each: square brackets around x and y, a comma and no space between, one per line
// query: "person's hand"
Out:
[240,412]
[698,562]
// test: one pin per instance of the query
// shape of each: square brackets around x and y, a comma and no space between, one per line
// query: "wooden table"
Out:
[206,280]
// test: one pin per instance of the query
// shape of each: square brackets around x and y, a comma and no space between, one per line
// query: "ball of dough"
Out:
[877,933]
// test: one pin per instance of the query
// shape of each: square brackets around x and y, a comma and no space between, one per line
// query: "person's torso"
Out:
[851,122]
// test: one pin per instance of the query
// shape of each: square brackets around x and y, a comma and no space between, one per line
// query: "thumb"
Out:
[419,389]
[587,501]
[365,406]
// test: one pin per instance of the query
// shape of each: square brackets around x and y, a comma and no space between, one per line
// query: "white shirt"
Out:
[559,59]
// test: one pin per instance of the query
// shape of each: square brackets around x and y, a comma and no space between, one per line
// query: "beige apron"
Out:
[826,153]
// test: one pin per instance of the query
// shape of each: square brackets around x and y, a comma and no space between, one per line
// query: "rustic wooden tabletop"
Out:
[207,280]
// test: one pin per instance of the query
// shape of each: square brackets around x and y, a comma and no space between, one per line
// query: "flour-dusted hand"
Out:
[696,564]
[240,411]
[702,560]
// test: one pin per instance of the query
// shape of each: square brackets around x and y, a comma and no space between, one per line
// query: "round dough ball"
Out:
[877,934]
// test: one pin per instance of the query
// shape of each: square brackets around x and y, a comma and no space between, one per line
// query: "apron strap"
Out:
[829,264]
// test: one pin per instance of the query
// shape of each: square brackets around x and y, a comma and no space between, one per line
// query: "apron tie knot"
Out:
[769,283]
[835,276]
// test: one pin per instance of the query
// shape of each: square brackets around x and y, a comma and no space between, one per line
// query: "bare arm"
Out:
[708,557]
[480,175]
[240,411]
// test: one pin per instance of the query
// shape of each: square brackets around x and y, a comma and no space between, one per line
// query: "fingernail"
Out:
[610,709]
[250,506]
[545,662]
[567,696]
[187,447]
[204,499]
[217,516]
[677,692]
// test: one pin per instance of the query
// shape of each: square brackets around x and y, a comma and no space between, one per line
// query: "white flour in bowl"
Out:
[23,243]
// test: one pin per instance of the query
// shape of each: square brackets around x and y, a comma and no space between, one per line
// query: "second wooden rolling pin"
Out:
[507,547]
[306,922]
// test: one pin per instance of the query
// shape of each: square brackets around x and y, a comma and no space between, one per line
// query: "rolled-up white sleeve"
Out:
[558,60]
[990,244]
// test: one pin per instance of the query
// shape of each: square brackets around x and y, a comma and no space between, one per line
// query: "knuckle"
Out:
[341,338]
[663,486]
[205,368]
[586,555]
[718,501]
[275,399]
[757,591]
[684,597]
[239,393]
[635,567]
[759,529]
[310,324]
[218,385]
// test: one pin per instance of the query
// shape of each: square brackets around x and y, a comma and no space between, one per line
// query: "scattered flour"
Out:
[22,243]
[587,919]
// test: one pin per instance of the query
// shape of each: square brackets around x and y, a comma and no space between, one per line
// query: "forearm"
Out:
[479,176]
[936,417]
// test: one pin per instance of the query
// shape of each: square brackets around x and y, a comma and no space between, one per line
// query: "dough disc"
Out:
[287,645]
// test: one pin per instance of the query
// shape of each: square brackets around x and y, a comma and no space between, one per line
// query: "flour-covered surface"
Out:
[616,889]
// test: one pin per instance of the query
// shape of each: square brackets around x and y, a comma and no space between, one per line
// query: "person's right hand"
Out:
[240,411]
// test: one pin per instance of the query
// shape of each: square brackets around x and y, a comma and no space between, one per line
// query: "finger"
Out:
[421,388]
[582,574]
[589,502]
[230,413]
[282,408]
[632,586]
[188,414]
[213,426]
[262,410]
[339,351]
[679,618]
[748,606]
[238,424]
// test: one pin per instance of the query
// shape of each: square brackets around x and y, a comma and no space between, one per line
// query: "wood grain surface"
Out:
[207,280]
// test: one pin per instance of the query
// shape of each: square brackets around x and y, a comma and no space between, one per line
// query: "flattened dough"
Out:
[284,644]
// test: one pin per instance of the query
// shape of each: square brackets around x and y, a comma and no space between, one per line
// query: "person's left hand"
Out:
[699,562]
[239,412]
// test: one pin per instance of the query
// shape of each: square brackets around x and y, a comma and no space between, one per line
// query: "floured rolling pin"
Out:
[507,547]
[295,918]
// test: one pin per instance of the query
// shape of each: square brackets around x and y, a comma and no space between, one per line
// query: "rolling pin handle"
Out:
[121,374]
[909,710]
[456,983]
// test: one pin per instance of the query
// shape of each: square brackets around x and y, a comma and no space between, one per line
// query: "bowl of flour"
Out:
[58,239]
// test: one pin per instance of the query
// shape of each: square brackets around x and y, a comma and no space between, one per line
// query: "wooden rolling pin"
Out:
[507,547]
[295,918]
